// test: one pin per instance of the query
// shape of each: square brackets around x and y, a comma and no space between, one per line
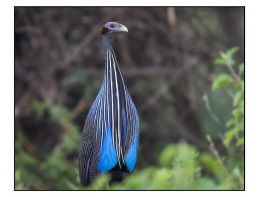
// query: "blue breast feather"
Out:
[109,157]
[131,157]
[108,154]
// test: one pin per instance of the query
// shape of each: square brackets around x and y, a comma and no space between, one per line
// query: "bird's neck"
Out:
[112,73]
[112,69]
[106,42]
[111,64]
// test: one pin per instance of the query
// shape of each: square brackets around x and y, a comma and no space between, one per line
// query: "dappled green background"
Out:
[184,75]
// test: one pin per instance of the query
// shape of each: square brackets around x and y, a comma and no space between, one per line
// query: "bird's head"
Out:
[112,27]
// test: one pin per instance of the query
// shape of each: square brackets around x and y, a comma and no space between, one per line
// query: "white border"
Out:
[7,91]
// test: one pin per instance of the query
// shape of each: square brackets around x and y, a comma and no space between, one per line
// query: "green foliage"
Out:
[55,170]
[221,80]
[181,167]
[39,108]
[101,183]
[234,136]
[226,59]
[241,69]
[25,171]
[235,124]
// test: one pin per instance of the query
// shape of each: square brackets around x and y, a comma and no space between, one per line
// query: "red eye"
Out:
[112,26]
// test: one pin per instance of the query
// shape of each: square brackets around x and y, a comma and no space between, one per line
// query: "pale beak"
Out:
[122,28]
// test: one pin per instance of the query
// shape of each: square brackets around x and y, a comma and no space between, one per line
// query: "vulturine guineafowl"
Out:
[110,135]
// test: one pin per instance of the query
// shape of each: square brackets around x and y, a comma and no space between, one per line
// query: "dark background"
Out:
[167,63]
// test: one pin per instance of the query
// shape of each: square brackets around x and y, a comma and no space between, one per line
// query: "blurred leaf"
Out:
[226,58]
[143,125]
[240,142]
[223,55]
[60,114]
[218,61]
[230,122]
[101,183]
[231,52]
[236,112]
[221,80]
[238,97]
[71,185]
[242,106]
[236,171]
[241,69]
[77,79]
[205,184]
[168,155]
[39,107]
[71,139]
[211,166]
[229,136]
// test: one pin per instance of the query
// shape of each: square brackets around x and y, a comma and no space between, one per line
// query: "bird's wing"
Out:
[132,122]
[132,136]
[85,153]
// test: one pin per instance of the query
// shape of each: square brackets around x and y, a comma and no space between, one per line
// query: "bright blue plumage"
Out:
[110,135]
[131,156]
[108,156]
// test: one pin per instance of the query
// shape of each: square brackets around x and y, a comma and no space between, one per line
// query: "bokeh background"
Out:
[191,107]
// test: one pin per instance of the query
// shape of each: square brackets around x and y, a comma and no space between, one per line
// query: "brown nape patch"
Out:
[104,30]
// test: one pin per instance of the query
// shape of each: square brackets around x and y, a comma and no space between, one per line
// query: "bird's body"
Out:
[110,136]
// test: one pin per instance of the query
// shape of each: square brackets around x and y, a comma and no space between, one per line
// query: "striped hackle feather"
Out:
[114,108]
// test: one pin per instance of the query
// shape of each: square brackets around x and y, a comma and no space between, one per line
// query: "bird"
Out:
[109,140]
